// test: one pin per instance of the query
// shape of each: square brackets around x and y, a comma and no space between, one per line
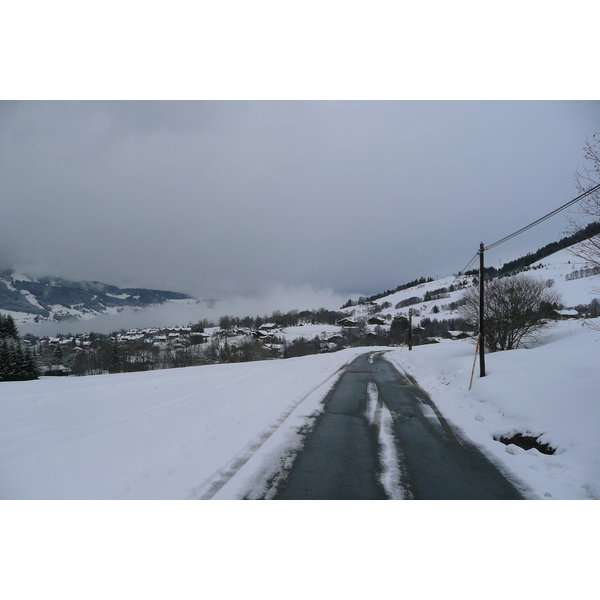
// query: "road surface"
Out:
[341,457]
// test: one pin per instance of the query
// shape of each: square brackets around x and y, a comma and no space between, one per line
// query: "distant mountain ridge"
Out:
[57,299]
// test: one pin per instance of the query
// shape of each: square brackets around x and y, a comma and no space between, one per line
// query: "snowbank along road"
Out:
[380,437]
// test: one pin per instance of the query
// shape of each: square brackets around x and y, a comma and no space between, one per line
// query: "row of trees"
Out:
[291,318]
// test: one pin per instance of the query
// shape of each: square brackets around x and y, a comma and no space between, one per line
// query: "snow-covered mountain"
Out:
[56,299]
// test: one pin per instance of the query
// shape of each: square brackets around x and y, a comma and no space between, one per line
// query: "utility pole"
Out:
[410,328]
[481,310]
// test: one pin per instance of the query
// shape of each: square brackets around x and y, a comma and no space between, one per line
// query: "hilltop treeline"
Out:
[404,286]
[514,266]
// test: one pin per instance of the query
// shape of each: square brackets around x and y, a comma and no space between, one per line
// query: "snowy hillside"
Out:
[562,269]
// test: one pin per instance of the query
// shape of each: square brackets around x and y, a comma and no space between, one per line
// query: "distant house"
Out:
[269,326]
[562,315]
[459,335]
[376,321]
[348,322]
[55,371]
[265,336]
[199,338]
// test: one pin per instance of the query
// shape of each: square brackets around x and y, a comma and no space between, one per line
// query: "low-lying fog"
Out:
[279,298]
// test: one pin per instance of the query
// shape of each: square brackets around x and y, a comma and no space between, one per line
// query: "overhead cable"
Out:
[469,263]
[523,229]
[551,214]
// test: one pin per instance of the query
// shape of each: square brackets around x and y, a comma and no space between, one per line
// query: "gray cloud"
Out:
[222,199]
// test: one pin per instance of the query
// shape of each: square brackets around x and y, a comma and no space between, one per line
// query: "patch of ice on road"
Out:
[373,396]
[392,476]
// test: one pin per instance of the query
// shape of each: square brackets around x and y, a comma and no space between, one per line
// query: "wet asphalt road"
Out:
[340,458]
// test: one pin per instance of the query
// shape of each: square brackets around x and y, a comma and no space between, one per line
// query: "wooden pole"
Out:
[481,313]
[474,360]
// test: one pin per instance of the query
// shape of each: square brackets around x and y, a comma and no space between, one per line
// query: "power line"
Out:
[537,222]
[469,264]
[551,214]
[481,253]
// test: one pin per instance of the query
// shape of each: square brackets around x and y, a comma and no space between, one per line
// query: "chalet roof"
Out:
[347,321]
[566,313]
[376,321]
[459,335]
[263,334]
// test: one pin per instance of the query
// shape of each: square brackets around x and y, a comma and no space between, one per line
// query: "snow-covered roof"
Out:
[567,313]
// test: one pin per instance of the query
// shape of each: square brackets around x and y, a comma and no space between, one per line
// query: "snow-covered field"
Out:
[172,434]
[219,431]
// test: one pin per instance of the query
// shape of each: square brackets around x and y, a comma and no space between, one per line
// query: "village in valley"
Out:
[424,313]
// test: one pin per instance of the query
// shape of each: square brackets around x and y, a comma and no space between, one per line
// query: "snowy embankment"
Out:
[196,432]
[550,391]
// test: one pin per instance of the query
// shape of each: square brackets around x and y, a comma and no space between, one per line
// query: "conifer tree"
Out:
[115,358]
[16,363]
[8,327]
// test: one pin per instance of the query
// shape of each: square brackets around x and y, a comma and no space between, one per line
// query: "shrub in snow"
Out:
[515,308]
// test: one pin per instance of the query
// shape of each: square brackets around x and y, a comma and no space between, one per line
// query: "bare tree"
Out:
[589,207]
[516,308]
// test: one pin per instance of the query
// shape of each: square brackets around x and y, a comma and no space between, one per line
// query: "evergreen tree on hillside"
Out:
[115,364]
[16,363]
[8,327]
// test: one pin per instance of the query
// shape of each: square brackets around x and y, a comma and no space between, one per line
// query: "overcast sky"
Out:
[221,199]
